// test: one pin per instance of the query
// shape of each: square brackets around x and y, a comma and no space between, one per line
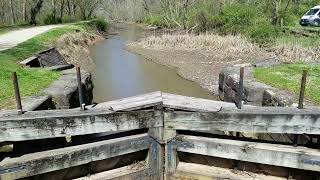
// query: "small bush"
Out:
[238,17]
[263,32]
[100,24]
[204,19]
[158,21]
[51,19]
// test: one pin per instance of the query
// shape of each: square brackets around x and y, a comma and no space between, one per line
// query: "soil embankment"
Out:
[199,58]
[74,48]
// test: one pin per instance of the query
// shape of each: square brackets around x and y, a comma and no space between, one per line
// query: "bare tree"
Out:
[12,12]
[25,15]
[35,11]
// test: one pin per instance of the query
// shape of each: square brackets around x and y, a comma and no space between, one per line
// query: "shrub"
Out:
[158,21]
[204,19]
[263,32]
[238,17]
[100,24]
[51,19]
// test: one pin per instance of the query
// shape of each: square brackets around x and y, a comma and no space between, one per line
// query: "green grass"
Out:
[31,81]
[289,77]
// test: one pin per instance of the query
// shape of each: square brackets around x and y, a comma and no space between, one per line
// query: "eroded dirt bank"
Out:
[75,48]
[199,58]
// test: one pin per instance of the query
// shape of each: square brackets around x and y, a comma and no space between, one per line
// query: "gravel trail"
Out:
[13,38]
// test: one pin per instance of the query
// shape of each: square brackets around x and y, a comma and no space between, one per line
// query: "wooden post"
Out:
[301,99]
[81,101]
[240,89]
[240,93]
[302,88]
[156,153]
[171,159]
[17,93]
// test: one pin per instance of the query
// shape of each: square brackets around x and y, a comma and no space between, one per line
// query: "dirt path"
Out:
[13,38]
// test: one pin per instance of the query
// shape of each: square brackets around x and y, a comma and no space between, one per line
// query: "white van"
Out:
[312,17]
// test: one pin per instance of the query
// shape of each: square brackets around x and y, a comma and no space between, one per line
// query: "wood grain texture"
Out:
[193,104]
[246,122]
[132,103]
[60,124]
[135,171]
[262,153]
[197,171]
[48,161]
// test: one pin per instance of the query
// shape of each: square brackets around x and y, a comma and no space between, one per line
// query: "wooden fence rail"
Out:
[262,153]
[164,115]
[48,161]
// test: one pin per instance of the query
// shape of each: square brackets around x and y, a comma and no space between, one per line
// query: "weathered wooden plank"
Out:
[270,154]
[171,158]
[198,171]
[303,122]
[273,110]
[132,103]
[193,104]
[48,161]
[35,125]
[135,171]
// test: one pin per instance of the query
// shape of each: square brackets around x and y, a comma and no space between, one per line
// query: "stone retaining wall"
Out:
[255,93]
[47,58]
[64,91]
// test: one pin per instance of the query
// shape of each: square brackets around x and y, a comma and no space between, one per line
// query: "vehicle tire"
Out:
[317,22]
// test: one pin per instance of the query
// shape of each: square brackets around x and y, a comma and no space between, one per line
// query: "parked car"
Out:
[312,17]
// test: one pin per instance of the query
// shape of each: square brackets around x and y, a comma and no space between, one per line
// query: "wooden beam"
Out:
[136,171]
[198,171]
[53,124]
[132,103]
[253,121]
[193,104]
[48,161]
[171,158]
[262,153]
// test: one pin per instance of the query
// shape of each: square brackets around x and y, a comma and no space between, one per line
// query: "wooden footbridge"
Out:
[182,137]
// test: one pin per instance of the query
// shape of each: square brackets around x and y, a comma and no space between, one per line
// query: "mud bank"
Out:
[75,48]
[200,62]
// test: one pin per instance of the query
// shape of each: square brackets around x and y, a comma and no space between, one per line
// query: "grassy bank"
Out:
[32,81]
[289,77]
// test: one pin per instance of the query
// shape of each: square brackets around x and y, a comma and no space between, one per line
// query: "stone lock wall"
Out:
[254,93]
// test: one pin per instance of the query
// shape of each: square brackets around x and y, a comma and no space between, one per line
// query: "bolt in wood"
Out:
[302,89]
[240,89]
[17,92]
[82,104]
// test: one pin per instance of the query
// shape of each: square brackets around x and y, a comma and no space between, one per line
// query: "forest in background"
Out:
[21,12]
[259,20]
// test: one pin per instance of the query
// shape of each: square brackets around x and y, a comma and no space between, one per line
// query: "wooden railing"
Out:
[165,116]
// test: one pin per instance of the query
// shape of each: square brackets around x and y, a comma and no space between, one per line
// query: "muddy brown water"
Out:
[120,73]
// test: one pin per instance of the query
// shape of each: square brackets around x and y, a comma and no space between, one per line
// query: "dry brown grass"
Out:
[296,53]
[218,48]
[198,42]
[229,45]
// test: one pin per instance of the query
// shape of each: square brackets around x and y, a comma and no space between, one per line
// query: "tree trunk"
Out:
[61,9]
[12,13]
[69,8]
[35,11]
[54,9]
[25,15]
